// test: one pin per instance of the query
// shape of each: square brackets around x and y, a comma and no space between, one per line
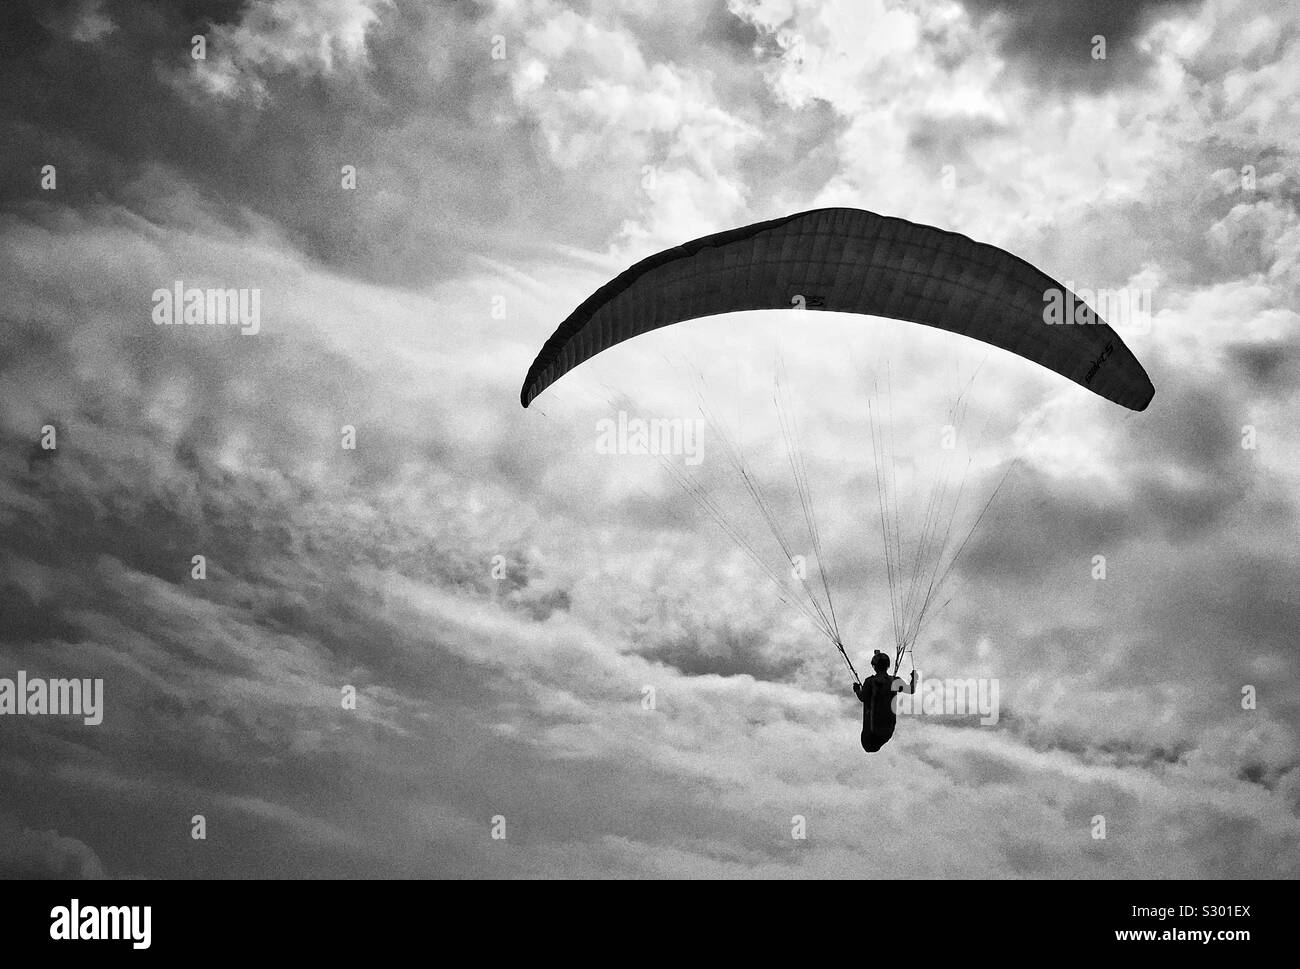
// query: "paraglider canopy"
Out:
[850,261]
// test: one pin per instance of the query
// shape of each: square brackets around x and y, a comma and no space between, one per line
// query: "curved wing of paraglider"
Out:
[850,261]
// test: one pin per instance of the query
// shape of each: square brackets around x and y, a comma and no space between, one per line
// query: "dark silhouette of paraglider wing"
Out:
[849,261]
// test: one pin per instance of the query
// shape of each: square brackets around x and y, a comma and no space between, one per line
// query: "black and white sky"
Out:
[501,595]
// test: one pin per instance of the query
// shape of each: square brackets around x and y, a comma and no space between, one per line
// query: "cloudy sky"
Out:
[505,599]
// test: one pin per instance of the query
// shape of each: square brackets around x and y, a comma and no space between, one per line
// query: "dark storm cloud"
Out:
[703,649]
[724,35]
[230,684]
[725,31]
[43,854]
[1185,473]
[1271,366]
[1050,41]
[412,120]
[1091,748]
[449,166]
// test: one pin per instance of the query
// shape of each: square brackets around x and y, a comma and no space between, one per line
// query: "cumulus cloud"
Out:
[25,853]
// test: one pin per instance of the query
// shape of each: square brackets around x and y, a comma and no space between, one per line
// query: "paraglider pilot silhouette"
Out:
[877,696]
